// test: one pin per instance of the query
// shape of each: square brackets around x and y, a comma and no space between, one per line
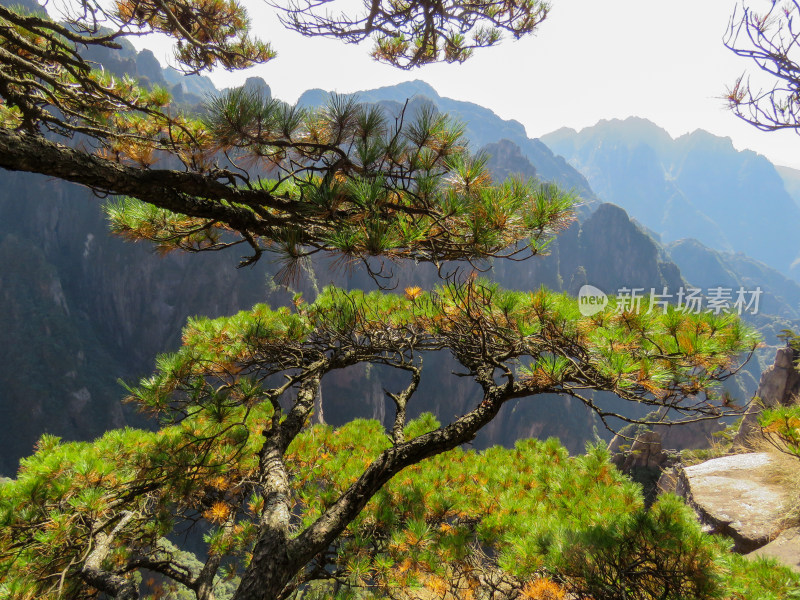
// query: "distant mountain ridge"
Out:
[695,186]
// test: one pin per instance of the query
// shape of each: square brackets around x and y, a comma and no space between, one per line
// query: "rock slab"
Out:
[735,496]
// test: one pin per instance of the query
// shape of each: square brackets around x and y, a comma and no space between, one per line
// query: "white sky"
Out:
[591,60]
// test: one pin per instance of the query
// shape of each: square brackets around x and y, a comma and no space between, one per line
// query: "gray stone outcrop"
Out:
[735,496]
[644,461]
[779,386]
[646,451]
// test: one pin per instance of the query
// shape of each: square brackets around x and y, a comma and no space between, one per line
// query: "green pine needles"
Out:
[460,525]
[235,400]
[348,180]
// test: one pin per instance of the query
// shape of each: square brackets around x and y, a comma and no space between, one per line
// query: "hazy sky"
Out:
[590,60]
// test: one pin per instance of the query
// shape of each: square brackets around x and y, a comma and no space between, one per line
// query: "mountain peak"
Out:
[409,89]
[632,127]
[697,185]
[396,93]
[631,132]
[631,122]
[257,84]
[706,139]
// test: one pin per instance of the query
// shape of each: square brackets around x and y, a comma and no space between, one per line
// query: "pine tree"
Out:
[768,36]
[283,505]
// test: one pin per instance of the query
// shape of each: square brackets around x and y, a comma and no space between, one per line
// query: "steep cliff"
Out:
[80,309]
[779,386]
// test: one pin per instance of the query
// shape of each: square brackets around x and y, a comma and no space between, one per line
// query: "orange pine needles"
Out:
[543,588]
[413,292]
[218,513]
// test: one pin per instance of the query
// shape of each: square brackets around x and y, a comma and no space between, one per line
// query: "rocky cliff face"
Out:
[605,249]
[80,309]
[619,254]
[779,386]
[737,496]
[506,159]
[746,497]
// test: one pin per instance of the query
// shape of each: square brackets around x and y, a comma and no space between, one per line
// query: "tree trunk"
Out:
[277,559]
[271,569]
[269,572]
